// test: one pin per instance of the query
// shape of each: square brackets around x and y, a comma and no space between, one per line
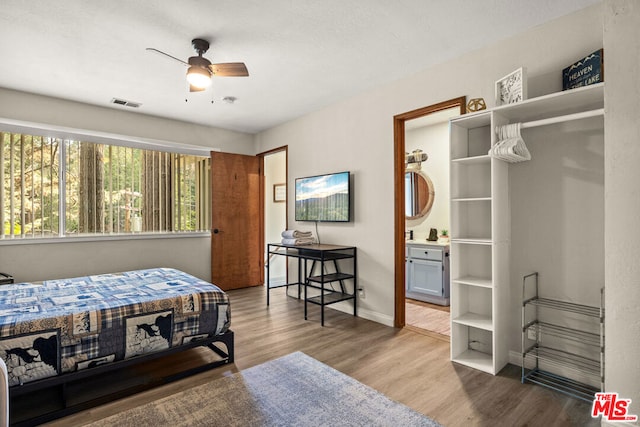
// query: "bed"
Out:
[60,330]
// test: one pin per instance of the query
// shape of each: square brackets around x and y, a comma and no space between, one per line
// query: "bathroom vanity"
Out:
[427,271]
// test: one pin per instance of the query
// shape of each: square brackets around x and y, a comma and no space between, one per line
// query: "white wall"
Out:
[42,261]
[56,260]
[357,134]
[275,169]
[46,110]
[433,140]
[622,199]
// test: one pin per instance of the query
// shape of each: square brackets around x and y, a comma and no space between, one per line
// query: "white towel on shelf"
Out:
[294,234]
[298,241]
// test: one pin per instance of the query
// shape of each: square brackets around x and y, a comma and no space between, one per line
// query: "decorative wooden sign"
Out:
[587,71]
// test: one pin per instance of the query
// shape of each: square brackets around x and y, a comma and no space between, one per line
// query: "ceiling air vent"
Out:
[125,103]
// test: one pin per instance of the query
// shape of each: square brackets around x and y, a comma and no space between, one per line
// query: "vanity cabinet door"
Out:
[425,277]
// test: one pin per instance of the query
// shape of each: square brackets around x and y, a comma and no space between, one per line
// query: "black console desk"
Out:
[325,259]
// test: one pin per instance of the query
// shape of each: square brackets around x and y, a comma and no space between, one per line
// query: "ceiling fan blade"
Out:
[193,88]
[229,69]
[151,49]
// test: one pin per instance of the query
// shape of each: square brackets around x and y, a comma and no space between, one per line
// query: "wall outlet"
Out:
[531,334]
[361,293]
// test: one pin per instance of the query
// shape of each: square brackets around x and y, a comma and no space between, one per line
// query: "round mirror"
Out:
[419,194]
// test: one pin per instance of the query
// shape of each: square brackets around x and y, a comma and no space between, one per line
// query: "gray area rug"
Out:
[294,390]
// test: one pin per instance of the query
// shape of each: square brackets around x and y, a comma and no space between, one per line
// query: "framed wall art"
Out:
[512,88]
[279,193]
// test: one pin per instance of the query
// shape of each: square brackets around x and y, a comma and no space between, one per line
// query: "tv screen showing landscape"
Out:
[323,198]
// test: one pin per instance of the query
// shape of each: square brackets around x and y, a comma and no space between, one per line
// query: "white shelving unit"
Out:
[480,221]
[478,192]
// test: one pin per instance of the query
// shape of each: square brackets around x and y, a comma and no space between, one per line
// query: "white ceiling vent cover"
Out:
[125,103]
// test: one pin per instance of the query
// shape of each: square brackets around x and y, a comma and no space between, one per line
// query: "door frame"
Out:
[262,155]
[399,214]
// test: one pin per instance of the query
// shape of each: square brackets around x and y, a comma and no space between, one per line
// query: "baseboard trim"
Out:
[375,316]
[277,281]
[347,307]
[515,358]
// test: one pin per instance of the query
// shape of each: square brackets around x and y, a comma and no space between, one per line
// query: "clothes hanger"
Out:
[510,146]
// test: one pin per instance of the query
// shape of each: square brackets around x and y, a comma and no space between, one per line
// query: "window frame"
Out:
[98,137]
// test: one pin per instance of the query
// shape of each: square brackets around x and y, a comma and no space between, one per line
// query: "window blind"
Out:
[64,187]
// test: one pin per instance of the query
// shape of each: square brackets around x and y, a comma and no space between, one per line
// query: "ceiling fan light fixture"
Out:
[201,70]
[198,77]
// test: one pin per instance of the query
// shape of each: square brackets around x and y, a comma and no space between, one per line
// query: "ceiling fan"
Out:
[201,69]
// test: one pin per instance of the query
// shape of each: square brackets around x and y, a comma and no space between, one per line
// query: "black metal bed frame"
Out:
[63,380]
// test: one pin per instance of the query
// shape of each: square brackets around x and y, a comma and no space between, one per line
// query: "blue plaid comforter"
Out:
[66,325]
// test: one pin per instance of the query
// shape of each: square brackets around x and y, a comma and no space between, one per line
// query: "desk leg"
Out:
[322,292]
[305,289]
[268,287]
[299,276]
[322,306]
[355,281]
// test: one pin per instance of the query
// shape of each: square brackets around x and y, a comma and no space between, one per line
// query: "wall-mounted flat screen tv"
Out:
[323,198]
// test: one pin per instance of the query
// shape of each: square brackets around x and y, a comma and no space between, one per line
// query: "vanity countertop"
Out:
[425,243]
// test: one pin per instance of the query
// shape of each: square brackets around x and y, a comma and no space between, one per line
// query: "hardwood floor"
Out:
[446,308]
[425,317]
[406,366]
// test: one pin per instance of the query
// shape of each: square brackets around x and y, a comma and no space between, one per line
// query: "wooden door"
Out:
[236,221]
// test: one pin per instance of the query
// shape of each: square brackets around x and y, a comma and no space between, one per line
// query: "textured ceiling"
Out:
[301,55]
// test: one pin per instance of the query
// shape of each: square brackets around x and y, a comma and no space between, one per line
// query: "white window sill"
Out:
[102,238]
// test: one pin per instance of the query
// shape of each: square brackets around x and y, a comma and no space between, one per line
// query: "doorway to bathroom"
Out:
[422,217]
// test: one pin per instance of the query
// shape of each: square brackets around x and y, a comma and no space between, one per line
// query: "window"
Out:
[55,187]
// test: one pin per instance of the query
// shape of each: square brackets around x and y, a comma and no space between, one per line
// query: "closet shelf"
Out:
[474,281]
[476,359]
[472,241]
[475,320]
[473,120]
[553,105]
